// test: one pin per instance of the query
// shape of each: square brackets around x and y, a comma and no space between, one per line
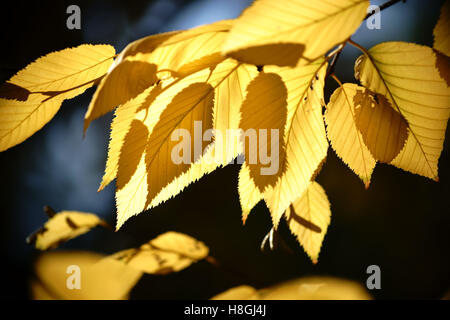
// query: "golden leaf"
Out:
[308,219]
[282,32]
[39,89]
[384,131]
[149,186]
[440,32]
[406,74]
[123,83]
[345,138]
[305,137]
[263,118]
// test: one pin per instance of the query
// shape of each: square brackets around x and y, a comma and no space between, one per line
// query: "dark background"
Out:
[401,223]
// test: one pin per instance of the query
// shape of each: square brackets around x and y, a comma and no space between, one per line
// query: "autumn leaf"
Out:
[305,137]
[63,226]
[39,90]
[284,31]
[307,288]
[405,74]
[384,131]
[123,83]
[101,279]
[345,138]
[440,32]
[243,292]
[308,219]
[120,127]
[169,252]
[264,108]
[149,186]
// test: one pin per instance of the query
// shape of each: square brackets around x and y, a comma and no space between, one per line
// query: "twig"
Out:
[384,6]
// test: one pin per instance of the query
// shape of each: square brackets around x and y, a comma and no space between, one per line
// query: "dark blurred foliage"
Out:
[401,223]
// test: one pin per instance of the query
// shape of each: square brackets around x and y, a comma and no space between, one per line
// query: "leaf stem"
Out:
[358,46]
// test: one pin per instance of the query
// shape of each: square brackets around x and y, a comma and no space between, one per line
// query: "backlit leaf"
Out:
[440,32]
[406,74]
[308,219]
[305,137]
[384,130]
[39,89]
[137,195]
[345,138]
[282,32]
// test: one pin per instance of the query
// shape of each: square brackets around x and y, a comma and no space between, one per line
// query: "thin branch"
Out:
[384,6]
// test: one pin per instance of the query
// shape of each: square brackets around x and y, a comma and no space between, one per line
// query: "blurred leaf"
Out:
[63,226]
[238,293]
[308,288]
[101,279]
[169,252]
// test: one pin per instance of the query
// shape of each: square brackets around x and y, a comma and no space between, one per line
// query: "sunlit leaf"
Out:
[282,32]
[152,181]
[406,74]
[308,219]
[169,252]
[123,83]
[263,118]
[384,130]
[305,137]
[343,133]
[440,32]
[39,90]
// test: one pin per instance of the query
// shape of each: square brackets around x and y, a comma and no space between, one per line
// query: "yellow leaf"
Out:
[100,279]
[344,135]
[316,288]
[238,293]
[39,89]
[123,83]
[307,288]
[281,32]
[120,126]
[169,252]
[384,131]
[63,226]
[177,53]
[191,50]
[150,185]
[308,219]
[263,118]
[305,137]
[406,74]
[249,193]
[440,32]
